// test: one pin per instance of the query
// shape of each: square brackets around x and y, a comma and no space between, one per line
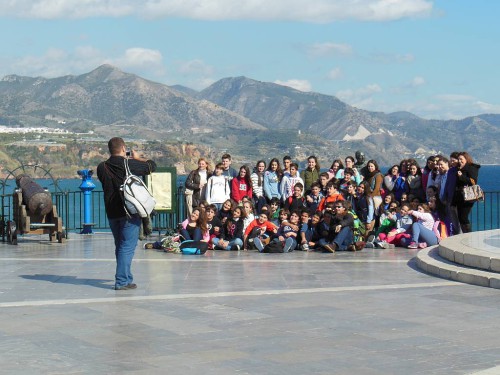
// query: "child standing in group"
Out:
[241,185]
[217,189]
[288,182]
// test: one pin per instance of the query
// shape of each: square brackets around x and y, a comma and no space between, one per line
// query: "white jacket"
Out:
[217,190]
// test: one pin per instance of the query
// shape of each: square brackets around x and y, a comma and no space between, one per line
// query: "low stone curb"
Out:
[455,250]
[430,261]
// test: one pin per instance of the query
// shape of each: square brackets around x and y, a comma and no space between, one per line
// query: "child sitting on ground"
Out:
[286,235]
[314,197]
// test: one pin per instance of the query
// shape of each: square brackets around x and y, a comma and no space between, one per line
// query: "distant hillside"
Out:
[248,118]
[400,133]
[108,96]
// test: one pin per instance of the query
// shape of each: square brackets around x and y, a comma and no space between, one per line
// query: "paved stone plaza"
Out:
[222,313]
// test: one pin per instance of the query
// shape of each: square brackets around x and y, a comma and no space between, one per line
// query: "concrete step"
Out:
[471,250]
[430,261]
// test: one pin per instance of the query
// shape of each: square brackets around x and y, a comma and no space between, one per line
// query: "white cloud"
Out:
[361,97]
[417,81]
[57,62]
[297,84]
[196,66]
[140,57]
[390,58]
[335,73]
[316,11]
[328,49]
[441,107]
[196,73]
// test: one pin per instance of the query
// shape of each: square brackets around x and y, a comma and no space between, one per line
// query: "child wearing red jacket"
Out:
[241,185]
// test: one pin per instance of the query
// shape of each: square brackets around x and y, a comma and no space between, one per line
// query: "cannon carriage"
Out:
[33,212]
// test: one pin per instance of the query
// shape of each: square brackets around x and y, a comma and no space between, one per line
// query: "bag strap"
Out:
[127,169]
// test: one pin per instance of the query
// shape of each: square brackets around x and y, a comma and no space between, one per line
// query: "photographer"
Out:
[125,228]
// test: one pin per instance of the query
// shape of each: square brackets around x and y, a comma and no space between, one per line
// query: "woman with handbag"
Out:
[467,175]
[196,182]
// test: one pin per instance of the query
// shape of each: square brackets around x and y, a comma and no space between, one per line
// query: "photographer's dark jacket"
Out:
[111,173]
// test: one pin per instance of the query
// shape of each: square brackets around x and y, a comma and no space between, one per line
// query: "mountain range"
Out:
[248,118]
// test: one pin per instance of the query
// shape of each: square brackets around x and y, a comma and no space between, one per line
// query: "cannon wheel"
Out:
[12,233]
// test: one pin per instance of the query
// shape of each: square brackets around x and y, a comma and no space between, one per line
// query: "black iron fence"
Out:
[484,216]
[70,208]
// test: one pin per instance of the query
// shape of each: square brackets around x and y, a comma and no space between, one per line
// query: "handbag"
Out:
[473,192]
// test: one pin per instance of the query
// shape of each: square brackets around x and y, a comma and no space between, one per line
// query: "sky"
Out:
[436,59]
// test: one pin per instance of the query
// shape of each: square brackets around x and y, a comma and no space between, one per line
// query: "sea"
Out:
[485,215]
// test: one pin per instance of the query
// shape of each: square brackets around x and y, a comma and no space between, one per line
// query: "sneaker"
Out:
[422,245]
[131,286]
[370,238]
[413,245]
[258,244]
[148,245]
[331,247]
[383,245]
[305,247]
[235,247]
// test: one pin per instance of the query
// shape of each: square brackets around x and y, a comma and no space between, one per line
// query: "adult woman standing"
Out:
[467,175]
[414,182]
[375,180]
[196,182]
[272,178]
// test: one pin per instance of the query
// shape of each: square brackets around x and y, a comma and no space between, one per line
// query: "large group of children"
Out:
[353,205]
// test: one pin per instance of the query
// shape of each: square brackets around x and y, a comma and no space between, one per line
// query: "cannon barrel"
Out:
[36,199]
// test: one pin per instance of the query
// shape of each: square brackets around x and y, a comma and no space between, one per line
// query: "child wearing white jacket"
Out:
[217,189]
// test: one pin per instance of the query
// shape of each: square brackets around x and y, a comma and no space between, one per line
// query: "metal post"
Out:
[87,186]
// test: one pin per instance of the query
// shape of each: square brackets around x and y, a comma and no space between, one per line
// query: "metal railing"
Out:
[484,216]
[70,209]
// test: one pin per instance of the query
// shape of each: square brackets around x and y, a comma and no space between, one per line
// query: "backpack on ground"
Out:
[273,247]
[136,197]
[193,247]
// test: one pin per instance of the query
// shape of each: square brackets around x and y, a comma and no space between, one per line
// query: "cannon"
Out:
[33,212]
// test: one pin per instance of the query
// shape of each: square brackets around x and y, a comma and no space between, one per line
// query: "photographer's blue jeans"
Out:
[126,234]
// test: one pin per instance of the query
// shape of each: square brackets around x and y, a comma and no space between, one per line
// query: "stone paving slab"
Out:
[371,312]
